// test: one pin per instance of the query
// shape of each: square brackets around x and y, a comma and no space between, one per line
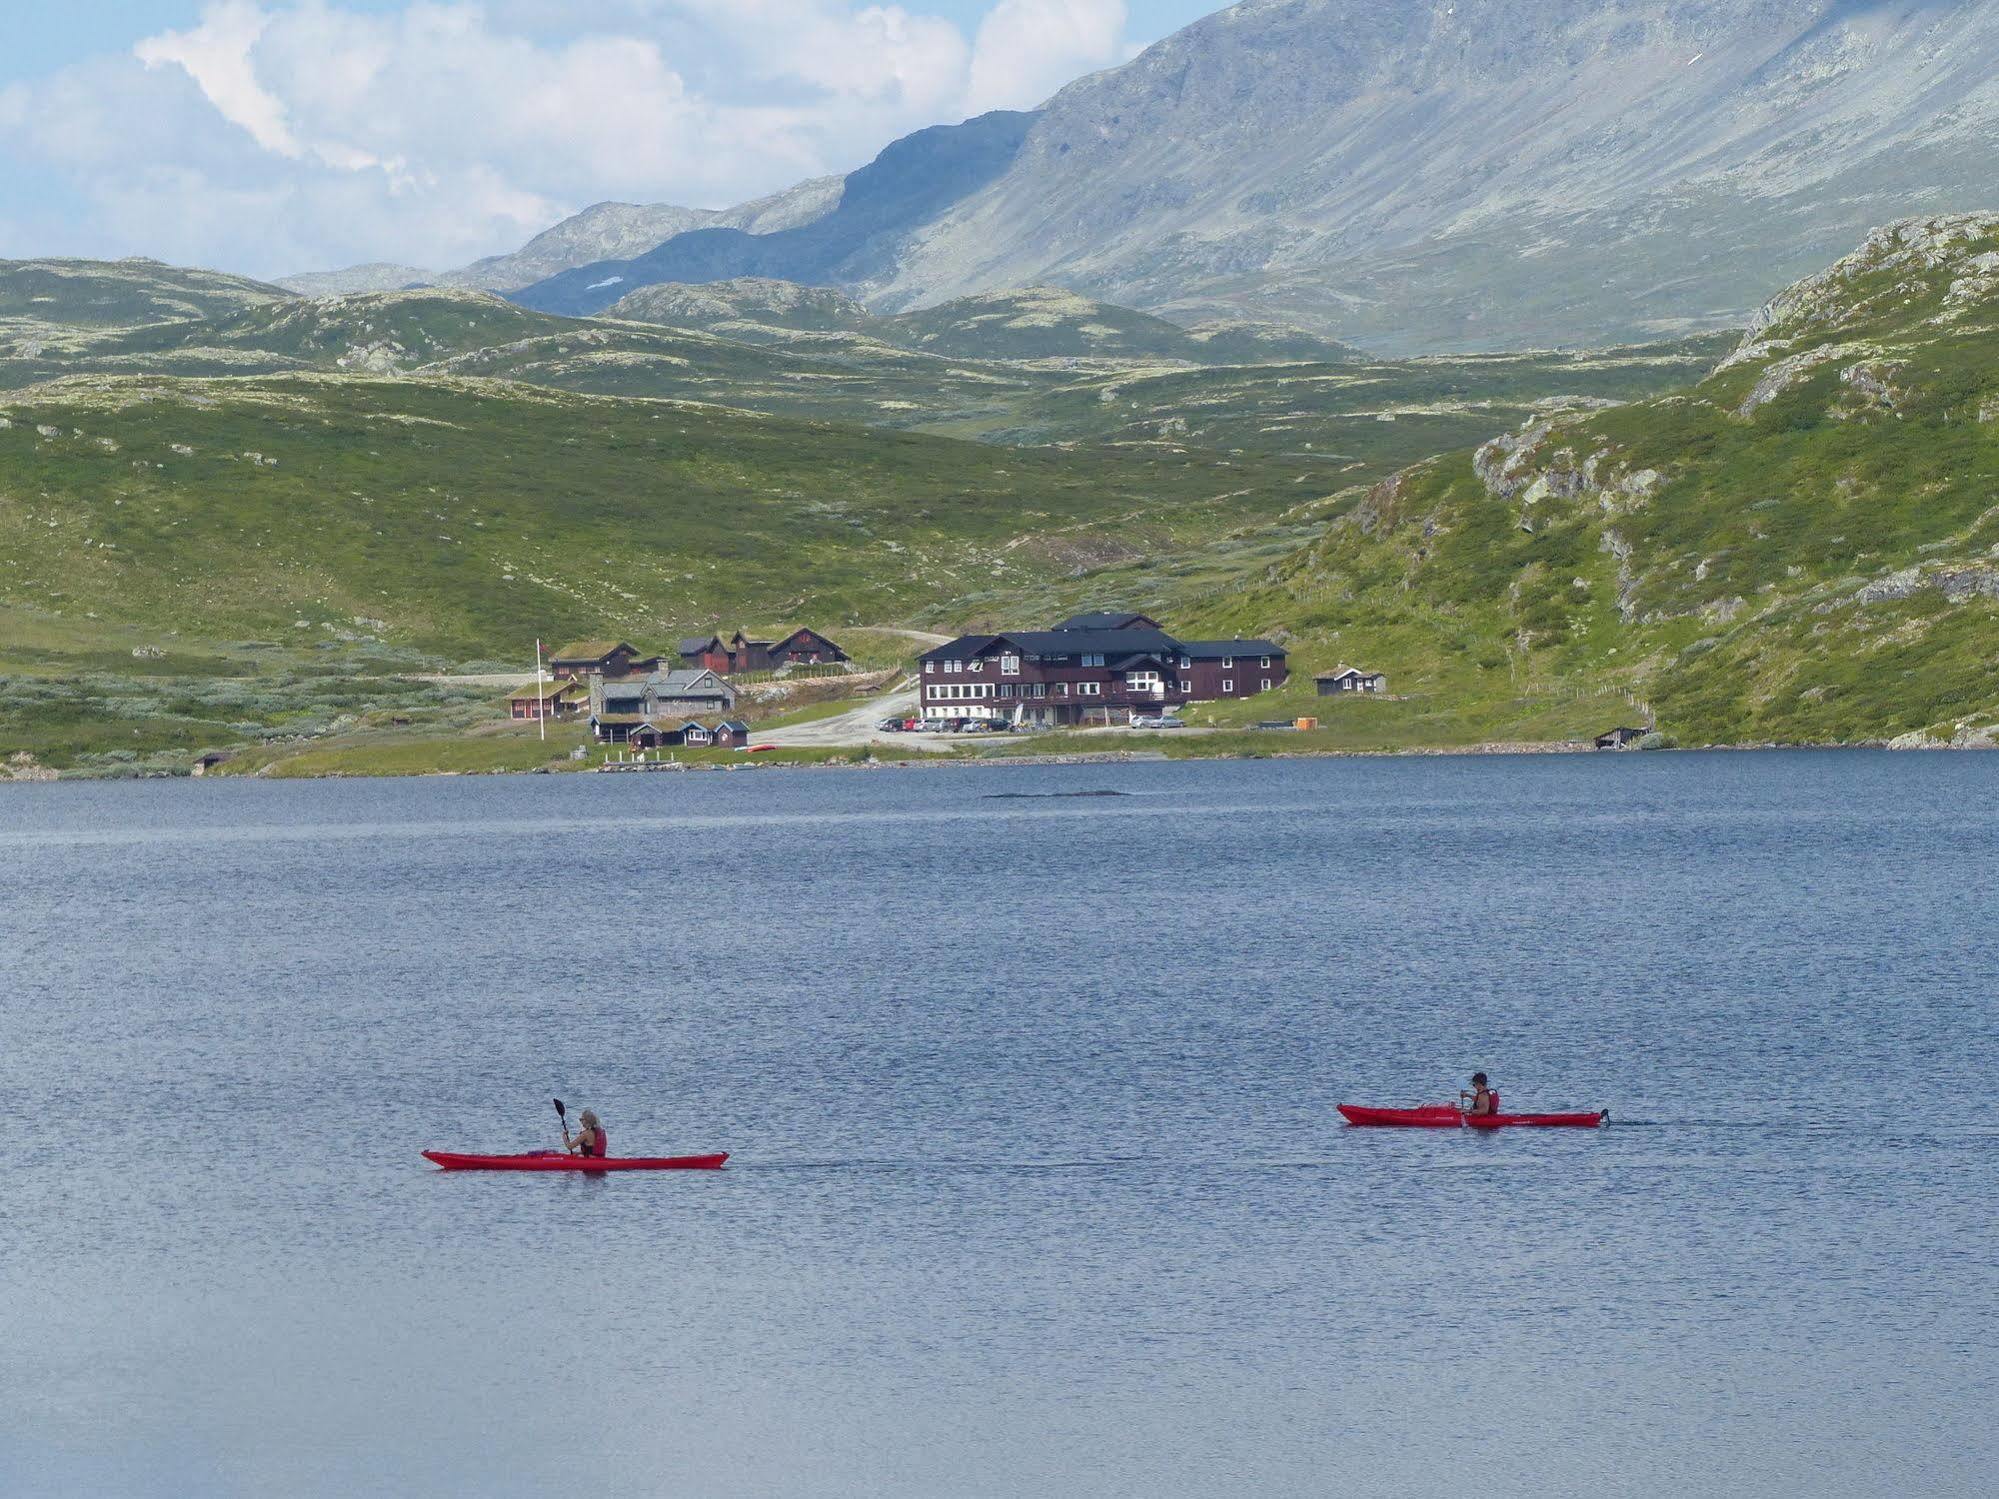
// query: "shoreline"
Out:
[39,775]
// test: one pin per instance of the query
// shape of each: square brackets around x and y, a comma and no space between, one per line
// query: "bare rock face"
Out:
[1425,174]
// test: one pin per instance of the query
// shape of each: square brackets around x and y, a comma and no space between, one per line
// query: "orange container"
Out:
[1306,725]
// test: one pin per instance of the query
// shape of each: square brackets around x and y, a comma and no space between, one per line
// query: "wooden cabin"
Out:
[604,658]
[1349,679]
[564,699]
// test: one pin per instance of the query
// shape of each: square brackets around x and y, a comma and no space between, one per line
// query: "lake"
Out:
[1037,1187]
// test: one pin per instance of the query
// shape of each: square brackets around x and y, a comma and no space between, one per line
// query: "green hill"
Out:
[1799,548]
[753,308]
[122,293]
[378,332]
[1020,368]
[1028,324]
[462,518]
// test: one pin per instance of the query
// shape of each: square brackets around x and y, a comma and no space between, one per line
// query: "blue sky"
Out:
[268,136]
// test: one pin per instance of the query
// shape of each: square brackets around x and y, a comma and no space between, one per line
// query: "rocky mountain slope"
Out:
[1430,174]
[602,231]
[880,206]
[1804,546]
[376,275]
[1485,173]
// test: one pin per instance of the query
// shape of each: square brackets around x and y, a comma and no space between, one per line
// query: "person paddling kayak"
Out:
[1484,1100]
[590,1138]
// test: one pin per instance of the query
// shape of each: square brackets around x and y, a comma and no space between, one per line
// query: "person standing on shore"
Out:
[590,1138]
[1484,1100]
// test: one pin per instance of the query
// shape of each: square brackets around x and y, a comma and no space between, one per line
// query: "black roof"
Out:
[1215,650]
[694,645]
[1091,642]
[1108,621]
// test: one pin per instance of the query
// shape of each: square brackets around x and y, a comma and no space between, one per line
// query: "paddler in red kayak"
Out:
[590,1138]
[1484,1100]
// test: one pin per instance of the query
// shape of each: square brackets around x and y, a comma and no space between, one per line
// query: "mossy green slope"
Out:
[466,517]
[1800,548]
[123,293]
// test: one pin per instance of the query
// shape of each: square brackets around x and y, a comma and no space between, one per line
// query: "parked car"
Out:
[1157,721]
[935,725]
[892,725]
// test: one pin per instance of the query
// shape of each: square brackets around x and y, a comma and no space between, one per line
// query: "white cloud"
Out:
[216,55]
[1027,49]
[274,137]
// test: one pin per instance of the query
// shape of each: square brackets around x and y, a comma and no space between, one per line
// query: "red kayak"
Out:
[1447,1116]
[555,1160]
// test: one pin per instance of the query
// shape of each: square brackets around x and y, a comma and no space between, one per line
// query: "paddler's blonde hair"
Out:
[589,1117]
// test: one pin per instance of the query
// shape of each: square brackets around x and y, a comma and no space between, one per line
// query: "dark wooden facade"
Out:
[555,700]
[606,658]
[1086,672]
[739,653]
[1214,670]
[1349,679]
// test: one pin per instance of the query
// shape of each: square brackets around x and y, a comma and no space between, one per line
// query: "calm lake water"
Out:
[1037,1186]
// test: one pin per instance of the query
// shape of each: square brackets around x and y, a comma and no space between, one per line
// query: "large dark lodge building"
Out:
[1094,668]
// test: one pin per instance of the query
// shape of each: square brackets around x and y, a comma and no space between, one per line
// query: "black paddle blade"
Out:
[559,1110]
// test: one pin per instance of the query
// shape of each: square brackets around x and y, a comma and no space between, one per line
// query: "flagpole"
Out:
[541,699]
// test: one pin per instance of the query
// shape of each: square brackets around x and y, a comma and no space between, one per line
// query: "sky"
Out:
[274,136]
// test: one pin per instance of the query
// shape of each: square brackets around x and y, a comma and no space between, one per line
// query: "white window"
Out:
[1266,667]
[930,668]
[1142,681]
[1228,684]
[1227,662]
[954,666]
[1010,666]
[1062,689]
[1096,660]
[1186,684]
[976,666]
[1266,684]
[1186,663]
[1089,689]
[1039,689]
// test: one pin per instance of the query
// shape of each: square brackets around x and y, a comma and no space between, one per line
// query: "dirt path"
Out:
[856,726]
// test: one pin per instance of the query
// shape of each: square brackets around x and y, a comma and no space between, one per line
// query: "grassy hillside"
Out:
[122,293]
[464,518]
[1800,548]
[1376,414]
[1028,324]
[378,331]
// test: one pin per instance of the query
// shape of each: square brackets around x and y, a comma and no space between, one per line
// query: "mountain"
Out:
[1419,175]
[1802,547]
[599,232]
[379,275]
[90,294]
[1483,173]
[908,185]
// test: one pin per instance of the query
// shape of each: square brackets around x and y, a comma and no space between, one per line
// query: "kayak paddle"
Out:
[565,1121]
